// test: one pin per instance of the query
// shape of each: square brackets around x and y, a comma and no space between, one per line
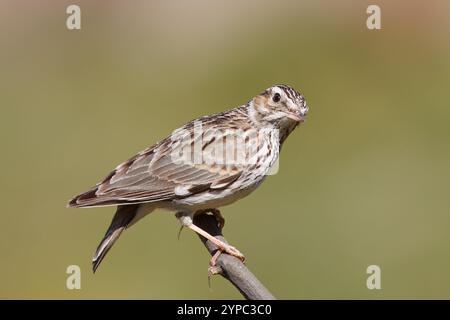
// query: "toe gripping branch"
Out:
[230,267]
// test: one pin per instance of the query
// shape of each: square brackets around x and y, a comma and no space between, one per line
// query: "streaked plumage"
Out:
[158,178]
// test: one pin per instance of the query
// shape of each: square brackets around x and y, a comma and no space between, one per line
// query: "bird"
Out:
[210,162]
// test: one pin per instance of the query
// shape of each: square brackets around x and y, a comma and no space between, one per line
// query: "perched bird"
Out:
[210,162]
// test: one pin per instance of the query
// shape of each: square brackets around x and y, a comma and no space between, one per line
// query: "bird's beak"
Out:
[295,117]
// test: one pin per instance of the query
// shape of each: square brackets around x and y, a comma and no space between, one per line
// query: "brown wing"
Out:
[156,175]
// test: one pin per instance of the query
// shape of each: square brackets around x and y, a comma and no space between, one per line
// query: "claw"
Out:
[227,249]
[222,246]
[235,253]
[179,232]
[213,270]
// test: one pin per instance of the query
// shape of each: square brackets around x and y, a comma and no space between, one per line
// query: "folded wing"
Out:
[159,173]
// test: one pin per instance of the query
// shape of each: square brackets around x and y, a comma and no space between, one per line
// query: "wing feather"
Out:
[153,175]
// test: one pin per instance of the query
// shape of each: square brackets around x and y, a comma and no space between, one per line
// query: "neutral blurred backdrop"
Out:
[364,181]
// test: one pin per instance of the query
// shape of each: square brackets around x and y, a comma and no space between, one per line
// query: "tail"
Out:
[123,217]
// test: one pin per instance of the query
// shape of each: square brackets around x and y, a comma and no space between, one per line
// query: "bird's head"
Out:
[279,105]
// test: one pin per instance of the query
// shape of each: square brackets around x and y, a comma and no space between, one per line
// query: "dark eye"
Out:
[276,97]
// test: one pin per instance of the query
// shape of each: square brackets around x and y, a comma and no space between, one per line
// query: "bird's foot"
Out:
[221,246]
[213,268]
[224,247]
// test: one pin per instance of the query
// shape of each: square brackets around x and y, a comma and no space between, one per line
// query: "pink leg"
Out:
[222,246]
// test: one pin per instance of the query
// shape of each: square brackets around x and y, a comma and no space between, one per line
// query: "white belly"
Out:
[208,200]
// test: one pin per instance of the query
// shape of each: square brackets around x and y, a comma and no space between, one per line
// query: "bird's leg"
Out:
[220,224]
[186,221]
[216,213]
[222,246]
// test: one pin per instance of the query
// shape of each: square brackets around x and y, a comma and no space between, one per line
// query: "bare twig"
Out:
[230,267]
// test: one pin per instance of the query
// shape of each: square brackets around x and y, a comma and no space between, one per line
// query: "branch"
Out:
[231,268]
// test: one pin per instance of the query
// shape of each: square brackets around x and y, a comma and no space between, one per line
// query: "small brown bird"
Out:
[208,163]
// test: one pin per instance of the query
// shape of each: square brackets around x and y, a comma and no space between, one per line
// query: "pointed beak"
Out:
[296,117]
[298,114]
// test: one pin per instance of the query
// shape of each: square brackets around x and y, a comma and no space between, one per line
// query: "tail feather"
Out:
[104,247]
[122,218]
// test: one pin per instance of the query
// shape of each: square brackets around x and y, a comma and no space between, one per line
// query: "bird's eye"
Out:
[276,97]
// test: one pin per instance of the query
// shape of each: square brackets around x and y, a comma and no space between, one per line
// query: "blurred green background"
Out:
[364,181]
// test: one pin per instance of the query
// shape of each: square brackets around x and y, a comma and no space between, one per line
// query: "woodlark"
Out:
[208,163]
